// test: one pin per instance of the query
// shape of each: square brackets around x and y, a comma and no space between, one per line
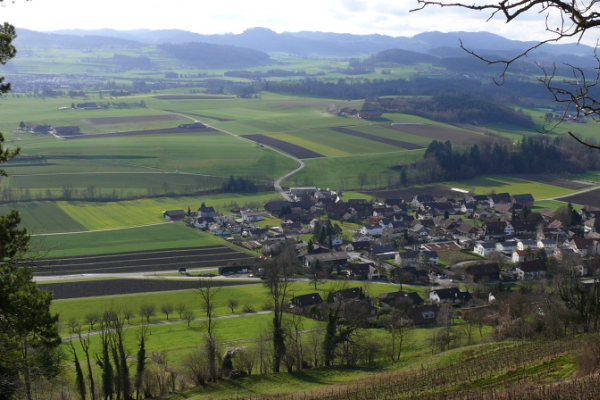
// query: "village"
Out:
[462,249]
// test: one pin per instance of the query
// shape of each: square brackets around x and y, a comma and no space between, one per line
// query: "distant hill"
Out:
[29,39]
[205,55]
[405,57]
[306,43]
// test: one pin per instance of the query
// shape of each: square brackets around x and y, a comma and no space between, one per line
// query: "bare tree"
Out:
[147,310]
[167,309]
[575,18]
[180,309]
[92,319]
[278,272]
[233,304]
[207,292]
[189,316]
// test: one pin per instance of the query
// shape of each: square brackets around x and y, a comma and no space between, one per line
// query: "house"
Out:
[336,257]
[306,300]
[364,271]
[358,246]
[506,247]
[411,258]
[424,315]
[41,129]
[174,215]
[207,212]
[252,216]
[583,247]
[549,245]
[525,200]
[420,199]
[372,230]
[530,269]
[388,299]
[345,295]
[66,130]
[410,274]
[519,255]
[369,114]
[255,233]
[482,272]
[467,230]
[450,296]
[523,244]
[204,223]
[484,248]
[385,251]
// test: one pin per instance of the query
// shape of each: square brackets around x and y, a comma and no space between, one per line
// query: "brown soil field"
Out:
[553,180]
[408,194]
[153,260]
[393,142]
[590,198]
[142,132]
[292,149]
[127,120]
[191,97]
[114,287]
[439,133]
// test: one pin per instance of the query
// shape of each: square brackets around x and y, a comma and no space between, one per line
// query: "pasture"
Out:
[511,184]
[142,238]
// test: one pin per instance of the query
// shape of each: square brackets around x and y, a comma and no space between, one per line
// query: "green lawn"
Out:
[506,183]
[164,236]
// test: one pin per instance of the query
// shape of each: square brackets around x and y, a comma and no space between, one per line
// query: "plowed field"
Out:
[156,260]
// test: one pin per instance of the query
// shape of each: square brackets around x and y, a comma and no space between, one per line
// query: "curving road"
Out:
[277,183]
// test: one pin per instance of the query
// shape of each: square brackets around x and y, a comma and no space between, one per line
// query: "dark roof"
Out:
[487,270]
[383,249]
[522,198]
[531,266]
[276,206]
[391,297]
[417,314]
[453,293]
[346,294]
[173,214]
[307,300]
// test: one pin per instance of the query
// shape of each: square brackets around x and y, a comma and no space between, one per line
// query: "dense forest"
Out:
[533,154]
[462,107]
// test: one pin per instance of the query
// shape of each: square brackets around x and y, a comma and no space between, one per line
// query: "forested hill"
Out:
[204,55]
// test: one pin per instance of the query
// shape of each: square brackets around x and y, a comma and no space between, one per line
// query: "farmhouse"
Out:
[174,215]
[306,300]
[337,257]
[364,271]
[66,130]
[424,315]
[369,114]
[482,272]
[530,269]
[450,296]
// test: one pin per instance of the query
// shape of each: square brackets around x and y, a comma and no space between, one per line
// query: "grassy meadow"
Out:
[151,237]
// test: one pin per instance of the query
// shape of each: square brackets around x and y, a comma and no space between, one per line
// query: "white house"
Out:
[252,216]
[484,248]
[373,230]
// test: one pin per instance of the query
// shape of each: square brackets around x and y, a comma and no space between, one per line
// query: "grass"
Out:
[164,236]
[486,184]
[63,216]
[342,172]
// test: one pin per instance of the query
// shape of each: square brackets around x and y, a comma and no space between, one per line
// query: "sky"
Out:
[386,17]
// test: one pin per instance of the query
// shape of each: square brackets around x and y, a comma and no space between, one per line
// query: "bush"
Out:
[248,309]
[268,306]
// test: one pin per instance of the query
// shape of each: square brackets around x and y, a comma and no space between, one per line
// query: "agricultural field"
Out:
[95,288]
[512,184]
[588,198]
[146,261]
[136,239]
[62,216]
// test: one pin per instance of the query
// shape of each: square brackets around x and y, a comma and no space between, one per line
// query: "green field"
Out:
[503,183]
[163,236]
